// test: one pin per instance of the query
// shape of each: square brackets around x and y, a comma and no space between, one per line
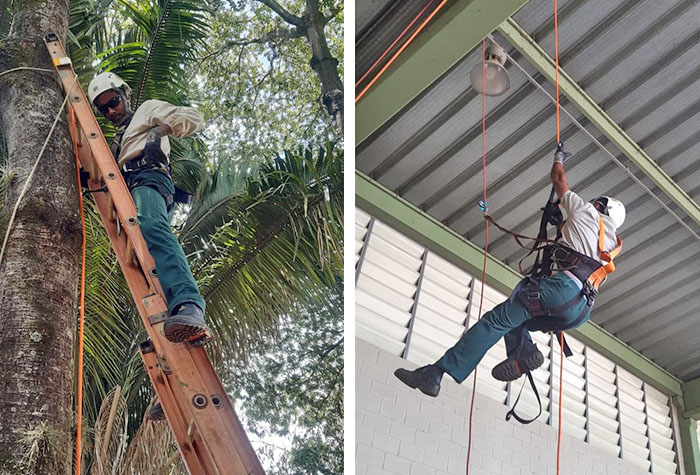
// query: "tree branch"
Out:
[332,13]
[277,34]
[331,348]
[281,11]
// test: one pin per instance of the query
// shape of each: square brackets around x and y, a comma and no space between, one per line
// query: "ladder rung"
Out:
[111,211]
[94,171]
[130,255]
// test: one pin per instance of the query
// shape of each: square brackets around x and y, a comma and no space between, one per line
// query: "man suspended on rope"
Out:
[141,148]
[560,298]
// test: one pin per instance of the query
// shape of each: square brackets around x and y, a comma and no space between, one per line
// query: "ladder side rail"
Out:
[236,431]
[172,414]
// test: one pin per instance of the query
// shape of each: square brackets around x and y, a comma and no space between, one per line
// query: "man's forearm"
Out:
[558,177]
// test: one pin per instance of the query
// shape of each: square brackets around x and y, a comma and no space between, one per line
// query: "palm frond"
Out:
[214,194]
[152,450]
[112,329]
[281,243]
[161,37]
[87,34]
[110,432]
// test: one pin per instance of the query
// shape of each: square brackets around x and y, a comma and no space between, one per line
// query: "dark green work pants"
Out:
[149,188]
[507,320]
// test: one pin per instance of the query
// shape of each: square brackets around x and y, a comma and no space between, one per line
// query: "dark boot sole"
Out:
[407,378]
[181,330]
[510,369]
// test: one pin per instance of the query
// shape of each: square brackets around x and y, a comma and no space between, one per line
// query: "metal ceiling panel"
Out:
[639,60]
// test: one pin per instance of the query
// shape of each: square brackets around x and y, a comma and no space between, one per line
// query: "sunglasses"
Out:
[111,104]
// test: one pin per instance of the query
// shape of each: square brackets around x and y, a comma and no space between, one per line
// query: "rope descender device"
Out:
[484,207]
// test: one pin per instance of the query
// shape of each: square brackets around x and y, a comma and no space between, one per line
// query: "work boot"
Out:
[186,323]
[426,378]
[527,358]
[155,413]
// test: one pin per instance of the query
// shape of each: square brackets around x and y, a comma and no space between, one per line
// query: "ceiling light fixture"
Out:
[497,78]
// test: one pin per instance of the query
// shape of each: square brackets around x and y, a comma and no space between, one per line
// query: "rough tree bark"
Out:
[38,274]
[311,25]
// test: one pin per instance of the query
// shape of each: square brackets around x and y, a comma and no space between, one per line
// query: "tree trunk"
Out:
[40,269]
[323,62]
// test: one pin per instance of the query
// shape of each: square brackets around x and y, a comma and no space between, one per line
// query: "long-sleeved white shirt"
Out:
[183,121]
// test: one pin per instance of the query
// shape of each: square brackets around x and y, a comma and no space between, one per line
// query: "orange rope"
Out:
[556,61]
[486,247]
[393,44]
[561,387]
[561,343]
[403,47]
[79,421]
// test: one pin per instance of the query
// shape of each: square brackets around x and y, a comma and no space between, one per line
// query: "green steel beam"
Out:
[688,427]
[401,215]
[691,398]
[545,64]
[454,31]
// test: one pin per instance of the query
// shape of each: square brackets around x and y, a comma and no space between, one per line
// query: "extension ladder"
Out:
[204,424]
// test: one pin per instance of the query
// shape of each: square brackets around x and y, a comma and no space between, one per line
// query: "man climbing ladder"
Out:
[141,148]
[559,299]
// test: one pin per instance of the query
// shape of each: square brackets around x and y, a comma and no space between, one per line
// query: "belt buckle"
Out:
[558,250]
[533,295]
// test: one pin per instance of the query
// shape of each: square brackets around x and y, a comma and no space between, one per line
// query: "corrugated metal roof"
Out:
[377,24]
[640,60]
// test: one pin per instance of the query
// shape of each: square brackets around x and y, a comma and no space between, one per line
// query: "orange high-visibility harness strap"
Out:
[601,273]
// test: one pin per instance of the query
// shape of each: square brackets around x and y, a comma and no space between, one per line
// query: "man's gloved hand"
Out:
[152,150]
[154,136]
[560,155]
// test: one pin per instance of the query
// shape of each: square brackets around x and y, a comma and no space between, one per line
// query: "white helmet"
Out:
[613,208]
[106,82]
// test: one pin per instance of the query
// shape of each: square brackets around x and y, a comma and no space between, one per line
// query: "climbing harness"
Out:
[146,161]
[555,257]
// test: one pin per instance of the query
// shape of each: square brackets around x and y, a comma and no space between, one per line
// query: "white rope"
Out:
[600,145]
[36,165]
[25,68]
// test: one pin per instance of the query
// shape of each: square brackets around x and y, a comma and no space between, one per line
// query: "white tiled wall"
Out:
[401,431]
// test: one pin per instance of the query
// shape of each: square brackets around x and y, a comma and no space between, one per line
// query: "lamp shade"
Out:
[497,78]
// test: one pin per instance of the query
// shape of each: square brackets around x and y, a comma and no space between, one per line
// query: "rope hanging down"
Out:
[81,331]
[485,208]
[561,335]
